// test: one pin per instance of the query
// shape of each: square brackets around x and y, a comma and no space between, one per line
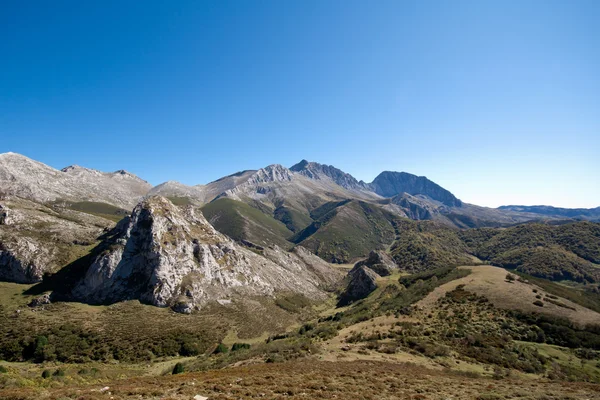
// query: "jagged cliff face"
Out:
[167,256]
[318,171]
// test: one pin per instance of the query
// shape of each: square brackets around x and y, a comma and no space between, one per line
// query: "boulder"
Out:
[40,301]
[361,282]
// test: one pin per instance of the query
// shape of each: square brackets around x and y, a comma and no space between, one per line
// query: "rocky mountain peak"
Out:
[271,173]
[318,171]
[389,184]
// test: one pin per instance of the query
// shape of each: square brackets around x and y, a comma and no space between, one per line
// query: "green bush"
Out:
[240,346]
[3,369]
[46,374]
[178,369]
[221,349]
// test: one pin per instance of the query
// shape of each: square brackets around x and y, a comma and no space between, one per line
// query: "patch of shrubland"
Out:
[427,245]
[556,252]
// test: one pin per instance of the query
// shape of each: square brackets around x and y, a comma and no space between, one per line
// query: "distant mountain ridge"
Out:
[286,194]
[27,178]
[576,213]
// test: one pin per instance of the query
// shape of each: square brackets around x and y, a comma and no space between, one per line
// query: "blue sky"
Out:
[499,102]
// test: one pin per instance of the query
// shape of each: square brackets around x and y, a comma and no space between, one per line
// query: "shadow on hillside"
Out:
[62,282]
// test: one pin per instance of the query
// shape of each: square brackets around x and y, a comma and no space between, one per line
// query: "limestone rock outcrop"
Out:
[362,281]
[170,256]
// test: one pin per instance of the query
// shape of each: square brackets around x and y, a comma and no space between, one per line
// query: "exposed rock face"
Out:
[389,184]
[23,260]
[315,170]
[35,239]
[33,180]
[361,282]
[414,209]
[379,262]
[271,173]
[300,259]
[167,256]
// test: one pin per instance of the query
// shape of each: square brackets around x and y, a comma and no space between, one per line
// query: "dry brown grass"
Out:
[318,380]
[491,282]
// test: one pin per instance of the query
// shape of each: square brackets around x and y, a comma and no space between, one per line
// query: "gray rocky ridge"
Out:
[315,170]
[362,280]
[26,178]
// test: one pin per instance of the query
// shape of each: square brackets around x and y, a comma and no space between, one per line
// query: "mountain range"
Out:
[280,263]
[185,245]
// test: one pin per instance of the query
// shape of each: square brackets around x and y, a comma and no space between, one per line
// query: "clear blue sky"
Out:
[497,101]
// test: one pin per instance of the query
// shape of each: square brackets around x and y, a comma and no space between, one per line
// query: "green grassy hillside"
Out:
[243,222]
[98,209]
[346,230]
[294,220]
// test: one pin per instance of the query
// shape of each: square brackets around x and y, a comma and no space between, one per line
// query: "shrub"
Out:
[59,372]
[240,346]
[221,348]
[3,369]
[178,369]
[538,303]
[46,374]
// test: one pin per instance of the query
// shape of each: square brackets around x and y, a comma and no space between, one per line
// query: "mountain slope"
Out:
[37,239]
[26,178]
[240,222]
[564,252]
[346,230]
[426,245]
[201,194]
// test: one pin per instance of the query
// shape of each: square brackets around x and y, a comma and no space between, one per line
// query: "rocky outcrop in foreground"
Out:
[361,282]
[168,256]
